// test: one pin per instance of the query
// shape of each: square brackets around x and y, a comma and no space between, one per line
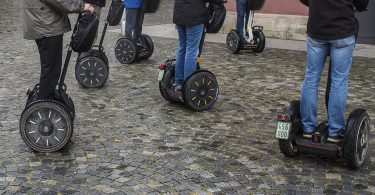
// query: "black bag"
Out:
[216,14]
[361,5]
[99,3]
[84,32]
[115,12]
[150,6]
[255,4]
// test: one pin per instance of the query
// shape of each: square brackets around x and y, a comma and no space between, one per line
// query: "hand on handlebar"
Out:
[89,8]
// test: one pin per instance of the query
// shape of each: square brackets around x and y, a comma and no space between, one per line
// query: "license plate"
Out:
[161,74]
[283,129]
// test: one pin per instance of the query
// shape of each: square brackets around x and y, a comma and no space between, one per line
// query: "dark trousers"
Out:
[134,21]
[50,51]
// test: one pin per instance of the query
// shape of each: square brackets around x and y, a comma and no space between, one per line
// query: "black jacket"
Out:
[331,19]
[189,12]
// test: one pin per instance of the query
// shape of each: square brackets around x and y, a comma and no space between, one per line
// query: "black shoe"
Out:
[307,134]
[335,139]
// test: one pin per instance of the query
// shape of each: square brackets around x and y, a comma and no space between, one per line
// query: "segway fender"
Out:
[293,108]
[198,71]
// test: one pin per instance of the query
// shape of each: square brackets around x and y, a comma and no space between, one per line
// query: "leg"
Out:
[131,22]
[193,38]
[247,17]
[317,51]
[341,60]
[138,24]
[180,58]
[241,9]
[50,51]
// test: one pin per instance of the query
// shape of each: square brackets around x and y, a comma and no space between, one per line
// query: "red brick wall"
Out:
[289,7]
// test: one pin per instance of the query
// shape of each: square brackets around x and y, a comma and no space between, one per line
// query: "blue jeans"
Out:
[188,48]
[242,11]
[341,52]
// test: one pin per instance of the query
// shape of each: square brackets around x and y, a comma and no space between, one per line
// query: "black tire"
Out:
[149,44]
[66,100]
[95,51]
[261,40]
[289,147]
[46,126]
[200,91]
[233,42]
[165,85]
[71,107]
[126,51]
[91,72]
[356,139]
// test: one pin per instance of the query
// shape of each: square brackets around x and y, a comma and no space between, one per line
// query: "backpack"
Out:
[115,12]
[255,4]
[150,6]
[216,13]
[84,32]
[361,5]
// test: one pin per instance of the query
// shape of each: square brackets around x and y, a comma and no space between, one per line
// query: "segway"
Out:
[92,68]
[353,149]
[200,90]
[255,40]
[47,125]
[127,50]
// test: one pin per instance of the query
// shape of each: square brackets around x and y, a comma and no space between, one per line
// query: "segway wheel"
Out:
[125,51]
[233,42]
[46,126]
[260,40]
[91,72]
[288,147]
[67,101]
[70,104]
[200,90]
[356,143]
[149,44]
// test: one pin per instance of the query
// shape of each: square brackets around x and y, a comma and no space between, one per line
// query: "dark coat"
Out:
[190,12]
[331,19]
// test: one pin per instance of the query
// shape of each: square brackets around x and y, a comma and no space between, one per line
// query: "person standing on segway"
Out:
[331,30]
[243,14]
[189,17]
[46,22]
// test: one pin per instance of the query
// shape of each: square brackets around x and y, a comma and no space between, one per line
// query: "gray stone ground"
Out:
[128,139]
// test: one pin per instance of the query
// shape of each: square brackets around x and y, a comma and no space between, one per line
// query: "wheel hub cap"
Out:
[91,73]
[46,128]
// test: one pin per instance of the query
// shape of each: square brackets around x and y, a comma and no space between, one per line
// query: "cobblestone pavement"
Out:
[128,139]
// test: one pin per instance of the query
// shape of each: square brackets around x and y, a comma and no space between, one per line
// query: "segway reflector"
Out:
[283,117]
[162,66]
